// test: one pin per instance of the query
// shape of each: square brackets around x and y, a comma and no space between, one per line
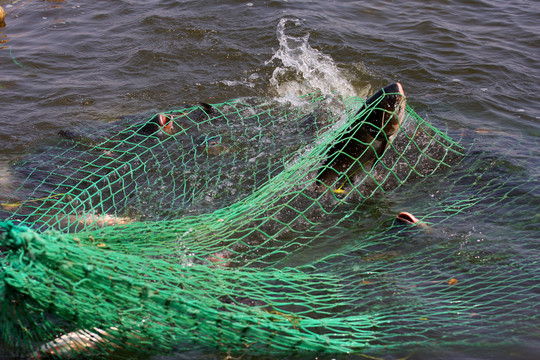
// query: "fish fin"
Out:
[69,135]
[207,108]
[381,149]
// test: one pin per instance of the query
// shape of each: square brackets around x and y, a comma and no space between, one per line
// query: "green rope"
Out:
[217,236]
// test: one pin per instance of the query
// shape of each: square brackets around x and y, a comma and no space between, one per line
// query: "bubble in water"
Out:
[305,69]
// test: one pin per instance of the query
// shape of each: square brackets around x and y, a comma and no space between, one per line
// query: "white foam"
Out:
[238,83]
[305,69]
[6,180]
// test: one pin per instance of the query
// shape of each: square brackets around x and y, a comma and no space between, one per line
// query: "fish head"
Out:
[386,110]
[166,123]
[160,125]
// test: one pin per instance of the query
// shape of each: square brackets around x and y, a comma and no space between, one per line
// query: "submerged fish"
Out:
[366,139]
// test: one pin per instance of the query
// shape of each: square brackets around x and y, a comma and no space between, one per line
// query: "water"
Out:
[466,65]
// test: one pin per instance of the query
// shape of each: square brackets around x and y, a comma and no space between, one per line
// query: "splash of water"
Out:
[305,69]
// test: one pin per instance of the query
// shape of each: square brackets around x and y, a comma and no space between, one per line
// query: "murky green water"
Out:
[466,65]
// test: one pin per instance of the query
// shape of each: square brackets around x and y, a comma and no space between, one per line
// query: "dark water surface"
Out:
[466,65]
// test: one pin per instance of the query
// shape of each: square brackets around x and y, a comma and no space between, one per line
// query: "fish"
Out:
[166,124]
[365,141]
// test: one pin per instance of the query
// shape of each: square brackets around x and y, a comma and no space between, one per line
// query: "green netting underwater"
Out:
[267,229]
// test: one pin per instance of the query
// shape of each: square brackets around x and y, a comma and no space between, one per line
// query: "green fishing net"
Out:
[217,237]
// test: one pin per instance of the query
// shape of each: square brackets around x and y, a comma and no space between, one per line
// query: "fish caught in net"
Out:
[249,228]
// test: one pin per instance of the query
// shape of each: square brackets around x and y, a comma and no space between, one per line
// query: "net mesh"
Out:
[213,233]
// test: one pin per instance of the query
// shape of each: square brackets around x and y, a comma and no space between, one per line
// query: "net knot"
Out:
[16,237]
